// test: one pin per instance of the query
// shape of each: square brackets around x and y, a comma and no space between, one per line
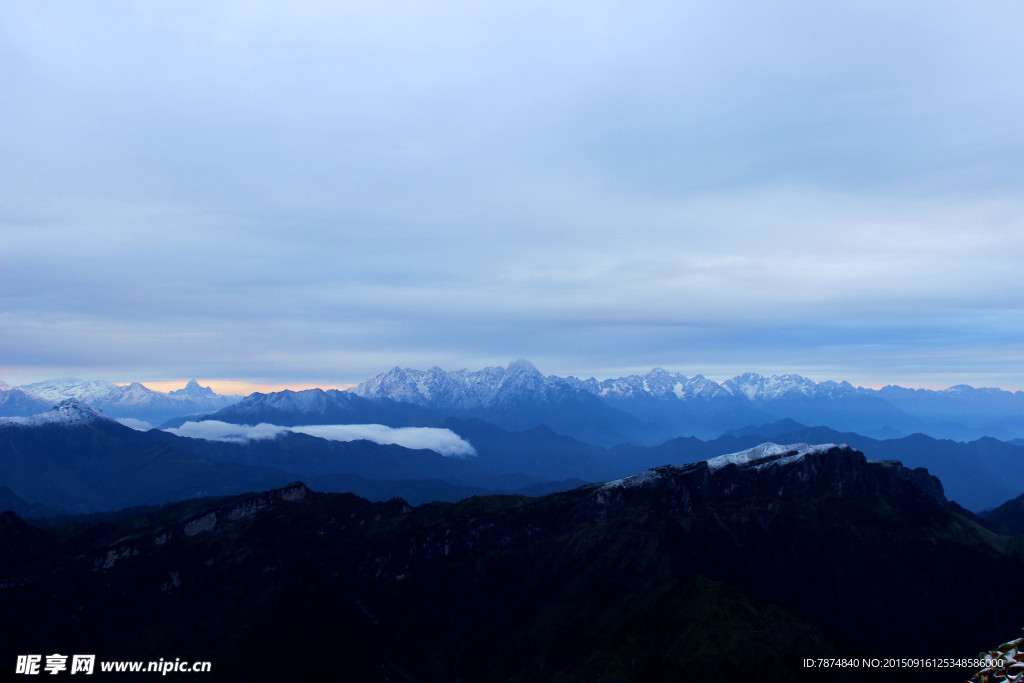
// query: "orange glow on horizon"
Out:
[234,386]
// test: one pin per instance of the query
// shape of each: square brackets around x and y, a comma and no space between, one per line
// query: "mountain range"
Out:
[649,408]
[742,567]
[74,459]
[642,409]
[134,401]
[613,554]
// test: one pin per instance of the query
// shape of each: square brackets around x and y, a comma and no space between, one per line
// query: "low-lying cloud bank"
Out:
[137,425]
[443,441]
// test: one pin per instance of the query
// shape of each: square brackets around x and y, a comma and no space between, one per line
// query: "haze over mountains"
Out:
[74,459]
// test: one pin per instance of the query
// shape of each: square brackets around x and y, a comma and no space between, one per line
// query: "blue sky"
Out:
[320,191]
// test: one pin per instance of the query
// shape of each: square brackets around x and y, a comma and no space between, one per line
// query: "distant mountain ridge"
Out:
[644,409]
[669,403]
[133,401]
[69,412]
[517,397]
[15,402]
[318,406]
[74,459]
[979,474]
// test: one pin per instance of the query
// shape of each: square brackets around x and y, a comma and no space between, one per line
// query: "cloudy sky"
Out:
[318,191]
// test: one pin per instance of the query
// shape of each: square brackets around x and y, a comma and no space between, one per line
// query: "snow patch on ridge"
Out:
[68,412]
[635,481]
[56,390]
[778,454]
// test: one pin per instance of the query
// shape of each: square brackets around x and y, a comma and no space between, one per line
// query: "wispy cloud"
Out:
[139,425]
[215,430]
[443,441]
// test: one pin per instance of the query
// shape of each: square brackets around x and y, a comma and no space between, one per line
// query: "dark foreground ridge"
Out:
[737,568]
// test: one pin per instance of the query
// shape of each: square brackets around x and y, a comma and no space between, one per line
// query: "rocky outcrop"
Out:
[786,472]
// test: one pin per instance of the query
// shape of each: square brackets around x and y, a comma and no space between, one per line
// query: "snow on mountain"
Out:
[135,394]
[665,404]
[759,457]
[648,478]
[70,412]
[657,383]
[306,402]
[705,408]
[16,403]
[516,397]
[953,395]
[647,408]
[193,390]
[56,390]
[770,452]
[756,387]
[134,401]
[662,384]
[460,389]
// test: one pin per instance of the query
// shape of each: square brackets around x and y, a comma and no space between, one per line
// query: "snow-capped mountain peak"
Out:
[194,390]
[69,412]
[135,401]
[521,375]
[459,389]
[55,390]
[755,387]
[134,392]
[658,383]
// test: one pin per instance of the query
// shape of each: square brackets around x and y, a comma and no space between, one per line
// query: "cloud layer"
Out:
[443,441]
[835,189]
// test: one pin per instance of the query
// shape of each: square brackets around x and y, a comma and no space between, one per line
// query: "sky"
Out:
[310,193]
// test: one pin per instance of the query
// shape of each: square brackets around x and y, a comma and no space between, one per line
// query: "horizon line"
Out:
[245,387]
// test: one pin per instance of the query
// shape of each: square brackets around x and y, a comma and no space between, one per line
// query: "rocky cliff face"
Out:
[783,472]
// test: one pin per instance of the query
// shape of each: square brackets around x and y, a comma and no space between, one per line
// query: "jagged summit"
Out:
[459,389]
[193,390]
[71,412]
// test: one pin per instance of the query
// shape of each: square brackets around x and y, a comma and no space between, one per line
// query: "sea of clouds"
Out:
[443,441]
